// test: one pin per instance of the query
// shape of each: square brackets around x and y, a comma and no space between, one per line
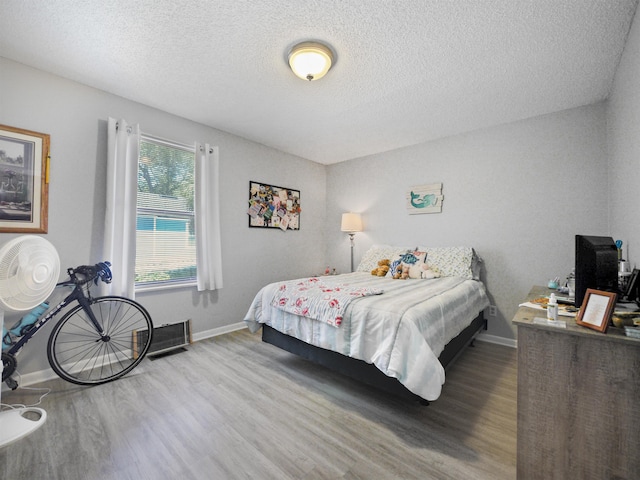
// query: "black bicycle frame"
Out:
[76,295]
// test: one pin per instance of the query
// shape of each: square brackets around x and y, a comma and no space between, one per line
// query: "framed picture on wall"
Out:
[273,207]
[24,182]
[425,199]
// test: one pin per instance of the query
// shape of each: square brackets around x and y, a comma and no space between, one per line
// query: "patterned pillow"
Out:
[415,261]
[376,253]
[454,261]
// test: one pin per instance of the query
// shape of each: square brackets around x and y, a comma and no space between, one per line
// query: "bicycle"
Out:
[99,340]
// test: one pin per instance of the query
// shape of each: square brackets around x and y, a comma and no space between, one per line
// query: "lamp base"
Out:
[351,236]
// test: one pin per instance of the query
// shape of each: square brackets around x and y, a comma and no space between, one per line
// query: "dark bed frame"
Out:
[365,372]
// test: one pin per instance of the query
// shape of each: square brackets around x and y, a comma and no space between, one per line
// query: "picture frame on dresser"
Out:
[596,310]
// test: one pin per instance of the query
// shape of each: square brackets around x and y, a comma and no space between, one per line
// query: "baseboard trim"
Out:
[29,379]
[214,332]
[33,378]
[507,342]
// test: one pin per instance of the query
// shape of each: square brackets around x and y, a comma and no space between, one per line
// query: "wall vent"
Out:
[166,337]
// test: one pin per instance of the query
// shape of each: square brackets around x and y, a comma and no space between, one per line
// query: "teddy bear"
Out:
[402,272]
[382,268]
[423,270]
[431,272]
[405,272]
[397,271]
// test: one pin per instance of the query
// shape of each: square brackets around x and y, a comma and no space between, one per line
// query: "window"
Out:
[165,233]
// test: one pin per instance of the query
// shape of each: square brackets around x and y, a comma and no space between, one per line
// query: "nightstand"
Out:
[578,400]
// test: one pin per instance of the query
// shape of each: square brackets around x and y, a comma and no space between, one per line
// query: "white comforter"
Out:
[402,332]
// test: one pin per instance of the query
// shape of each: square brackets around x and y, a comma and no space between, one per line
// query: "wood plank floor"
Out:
[233,407]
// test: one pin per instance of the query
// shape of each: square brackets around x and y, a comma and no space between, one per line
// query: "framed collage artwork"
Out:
[273,207]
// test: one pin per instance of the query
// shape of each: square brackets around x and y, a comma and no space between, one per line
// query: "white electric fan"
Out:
[29,270]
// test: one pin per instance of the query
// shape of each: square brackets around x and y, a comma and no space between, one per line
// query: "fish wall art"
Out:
[425,199]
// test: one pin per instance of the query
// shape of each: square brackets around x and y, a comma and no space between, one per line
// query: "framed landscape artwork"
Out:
[24,170]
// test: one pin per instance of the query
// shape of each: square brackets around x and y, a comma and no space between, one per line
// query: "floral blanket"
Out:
[318,300]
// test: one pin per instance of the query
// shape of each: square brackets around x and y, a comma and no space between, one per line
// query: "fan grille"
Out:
[29,270]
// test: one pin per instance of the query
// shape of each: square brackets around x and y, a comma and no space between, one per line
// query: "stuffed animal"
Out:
[397,271]
[431,272]
[423,270]
[405,272]
[382,269]
[402,272]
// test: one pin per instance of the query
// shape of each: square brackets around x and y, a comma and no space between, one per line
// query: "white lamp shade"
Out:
[351,222]
[310,60]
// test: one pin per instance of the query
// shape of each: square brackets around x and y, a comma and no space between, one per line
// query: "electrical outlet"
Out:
[493,310]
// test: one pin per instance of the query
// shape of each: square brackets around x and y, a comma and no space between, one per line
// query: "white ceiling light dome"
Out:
[310,60]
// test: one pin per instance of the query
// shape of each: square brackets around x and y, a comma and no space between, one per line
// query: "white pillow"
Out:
[454,261]
[376,253]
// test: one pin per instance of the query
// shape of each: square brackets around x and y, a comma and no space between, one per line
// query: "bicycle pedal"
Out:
[11,383]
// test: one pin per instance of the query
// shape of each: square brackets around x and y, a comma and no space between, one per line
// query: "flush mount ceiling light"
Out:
[310,60]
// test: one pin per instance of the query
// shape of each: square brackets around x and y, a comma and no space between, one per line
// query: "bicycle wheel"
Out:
[77,352]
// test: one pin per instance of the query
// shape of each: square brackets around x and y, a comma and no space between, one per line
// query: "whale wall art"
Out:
[425,199]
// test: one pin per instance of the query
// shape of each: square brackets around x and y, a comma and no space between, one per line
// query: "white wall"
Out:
[75,116]
[518,193]
[623,122]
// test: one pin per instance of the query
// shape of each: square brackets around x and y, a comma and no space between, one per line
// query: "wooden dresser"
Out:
[578,400]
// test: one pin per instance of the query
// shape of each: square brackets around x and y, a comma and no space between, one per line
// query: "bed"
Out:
[395,334]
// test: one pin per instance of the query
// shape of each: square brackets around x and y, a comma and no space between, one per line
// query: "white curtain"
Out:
[120,218]
[207,213]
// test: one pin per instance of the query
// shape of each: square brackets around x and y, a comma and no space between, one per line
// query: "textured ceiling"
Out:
[407,71]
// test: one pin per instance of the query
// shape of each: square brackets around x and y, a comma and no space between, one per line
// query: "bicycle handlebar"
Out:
[99,271]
